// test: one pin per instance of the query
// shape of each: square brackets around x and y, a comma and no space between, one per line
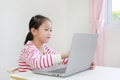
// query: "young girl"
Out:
[36,54]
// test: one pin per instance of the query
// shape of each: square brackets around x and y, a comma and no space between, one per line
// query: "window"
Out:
[113,11]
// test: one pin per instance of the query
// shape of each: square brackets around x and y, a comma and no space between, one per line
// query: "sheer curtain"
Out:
[96,26]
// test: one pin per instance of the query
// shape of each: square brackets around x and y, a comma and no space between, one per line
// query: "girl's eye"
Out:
[46,29]
[51,30]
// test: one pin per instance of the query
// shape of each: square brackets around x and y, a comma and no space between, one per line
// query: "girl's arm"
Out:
[39,61]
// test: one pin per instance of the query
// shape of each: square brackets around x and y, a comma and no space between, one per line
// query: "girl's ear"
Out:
[33,31]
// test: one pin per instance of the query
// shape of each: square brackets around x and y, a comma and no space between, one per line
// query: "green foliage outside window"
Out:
[116,15]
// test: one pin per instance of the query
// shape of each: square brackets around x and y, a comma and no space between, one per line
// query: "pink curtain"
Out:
[96,26]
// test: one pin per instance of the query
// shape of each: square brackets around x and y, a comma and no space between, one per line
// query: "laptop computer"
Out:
[81,56]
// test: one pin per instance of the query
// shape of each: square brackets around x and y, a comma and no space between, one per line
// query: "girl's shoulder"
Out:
[29,43]
[29,46]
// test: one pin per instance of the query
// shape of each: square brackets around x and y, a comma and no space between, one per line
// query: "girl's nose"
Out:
[49,32]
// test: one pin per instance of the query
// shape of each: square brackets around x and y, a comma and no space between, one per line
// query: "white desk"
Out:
[99,73]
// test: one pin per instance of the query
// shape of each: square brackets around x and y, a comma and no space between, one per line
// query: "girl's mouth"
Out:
[48,37]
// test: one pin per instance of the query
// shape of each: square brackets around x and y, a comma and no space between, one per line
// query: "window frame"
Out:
[109,13]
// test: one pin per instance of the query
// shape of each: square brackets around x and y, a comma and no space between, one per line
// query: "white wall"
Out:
[67,17]
[77,21]
[112,46]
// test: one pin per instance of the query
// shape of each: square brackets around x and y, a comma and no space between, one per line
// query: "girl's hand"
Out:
[93,64]
[64,55]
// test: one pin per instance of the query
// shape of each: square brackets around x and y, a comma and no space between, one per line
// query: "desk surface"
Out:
[99,73]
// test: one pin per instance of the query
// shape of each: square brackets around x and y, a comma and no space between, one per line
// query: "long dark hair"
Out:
[35,22]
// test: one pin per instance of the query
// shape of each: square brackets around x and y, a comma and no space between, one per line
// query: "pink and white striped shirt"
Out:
[31,58]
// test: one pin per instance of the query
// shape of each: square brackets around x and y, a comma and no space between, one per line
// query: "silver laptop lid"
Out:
[82,52]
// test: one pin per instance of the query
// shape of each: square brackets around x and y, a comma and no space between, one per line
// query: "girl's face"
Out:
[43,33]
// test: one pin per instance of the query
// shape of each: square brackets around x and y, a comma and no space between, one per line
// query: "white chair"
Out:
[13,71]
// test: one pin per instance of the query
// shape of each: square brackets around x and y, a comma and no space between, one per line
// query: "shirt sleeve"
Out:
[39,61]
[65,61]
[56,57]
